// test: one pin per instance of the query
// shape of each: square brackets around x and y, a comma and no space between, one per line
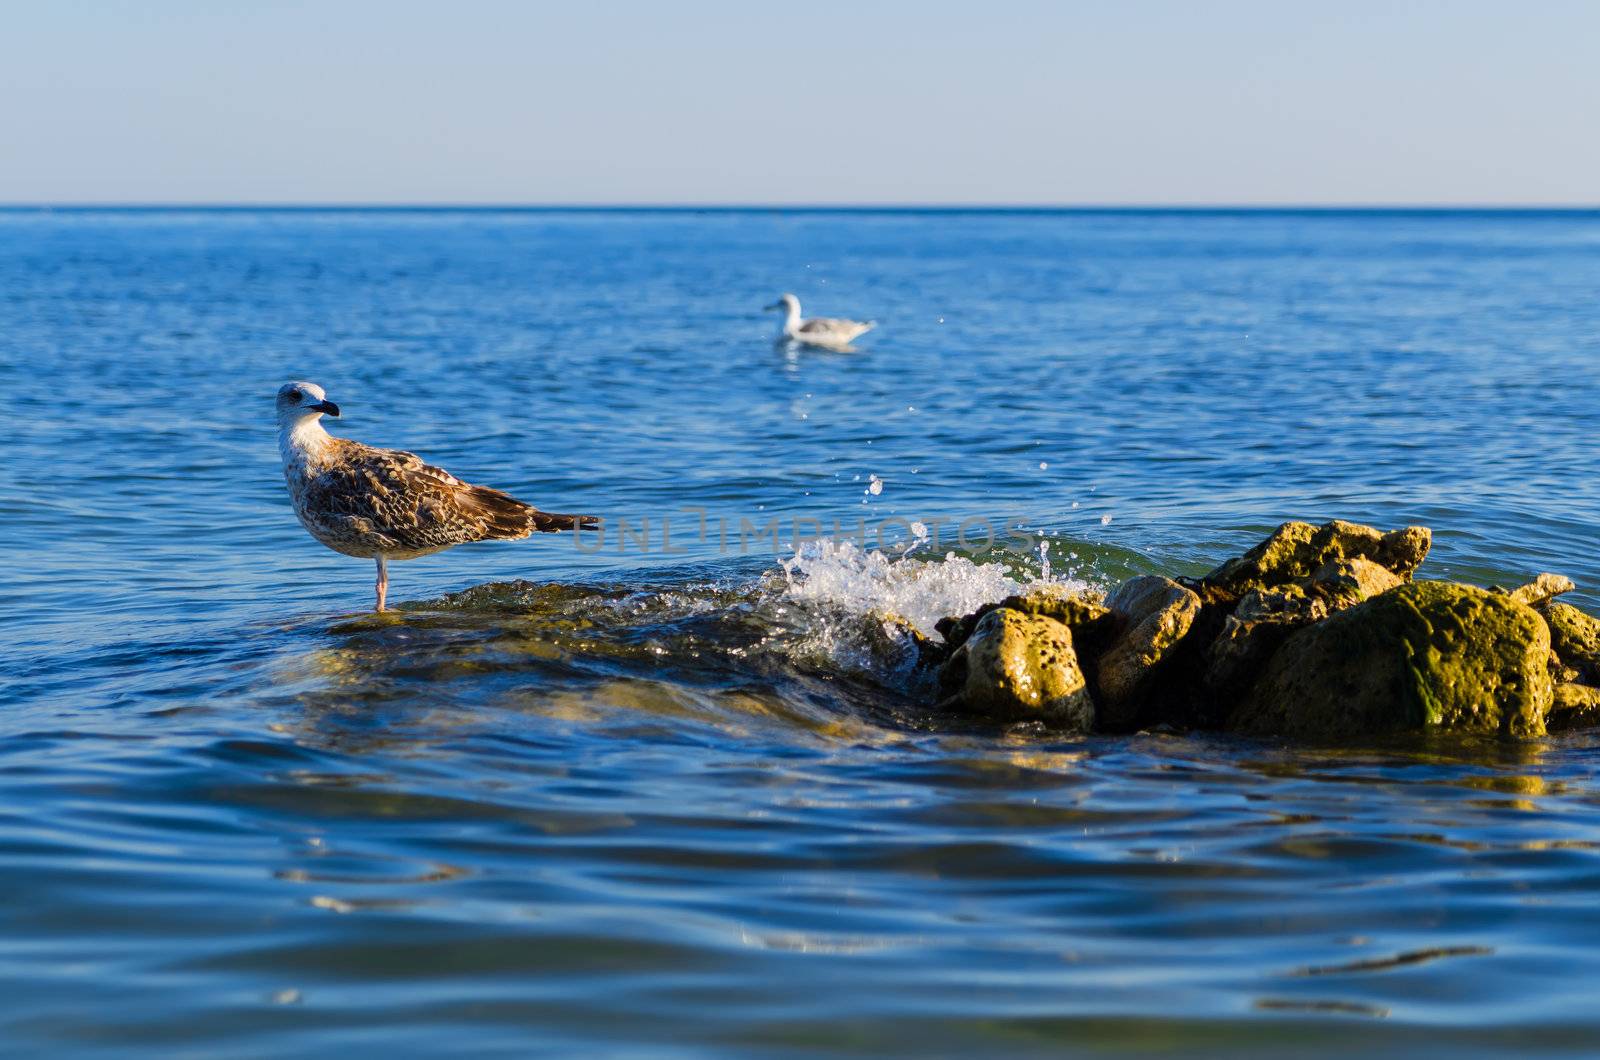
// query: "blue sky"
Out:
[481,101]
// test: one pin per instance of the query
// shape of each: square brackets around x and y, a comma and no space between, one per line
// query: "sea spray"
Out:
[842,605]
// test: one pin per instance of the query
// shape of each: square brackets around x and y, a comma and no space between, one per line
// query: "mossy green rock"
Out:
[1543,588]
[1347,582]
[1260,623]
[1576,707]
[1083,612]
[1017,666]
[1575,638]
[1297,551]
[1424,655]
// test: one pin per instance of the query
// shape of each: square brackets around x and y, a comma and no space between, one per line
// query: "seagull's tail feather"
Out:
[503,517]
[554,522]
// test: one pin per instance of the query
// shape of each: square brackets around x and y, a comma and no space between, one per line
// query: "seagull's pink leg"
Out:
[383,582]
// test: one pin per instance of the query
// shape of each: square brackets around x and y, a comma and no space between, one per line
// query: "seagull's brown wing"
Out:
[393,495]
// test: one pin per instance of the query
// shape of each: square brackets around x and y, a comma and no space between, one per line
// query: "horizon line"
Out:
[1131,207]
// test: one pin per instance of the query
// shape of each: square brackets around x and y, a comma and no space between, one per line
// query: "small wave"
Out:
[833,632]
[848,608]
[842,577]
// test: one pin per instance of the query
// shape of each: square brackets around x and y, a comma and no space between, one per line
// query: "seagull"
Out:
[828,332]
[385,504]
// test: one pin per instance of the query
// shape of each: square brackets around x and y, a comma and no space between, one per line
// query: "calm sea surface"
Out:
[655,795]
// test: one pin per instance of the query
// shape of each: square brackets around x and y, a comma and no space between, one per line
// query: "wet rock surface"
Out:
[1153,615]
[1575,706]
[1429,655]
[1018,666]
[1318,632]
[1575,640]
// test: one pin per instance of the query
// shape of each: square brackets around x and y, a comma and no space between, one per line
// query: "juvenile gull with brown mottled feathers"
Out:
[385,504]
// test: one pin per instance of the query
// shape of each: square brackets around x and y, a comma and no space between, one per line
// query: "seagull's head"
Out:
[788,301]
[300,401]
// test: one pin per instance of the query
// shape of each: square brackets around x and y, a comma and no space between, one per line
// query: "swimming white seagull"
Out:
[385,504]
[828,332]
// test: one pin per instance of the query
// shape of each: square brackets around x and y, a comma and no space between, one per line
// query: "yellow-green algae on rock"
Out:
[1575,638]
[1297,551]
[1316,632]
[1018,666]
[1424,655]
[1575,707]
[1085,613]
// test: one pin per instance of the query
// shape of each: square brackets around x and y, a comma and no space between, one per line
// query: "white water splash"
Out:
[851,582]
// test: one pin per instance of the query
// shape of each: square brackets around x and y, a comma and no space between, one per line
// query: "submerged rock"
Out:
[1017,666]
[1425,655]
[1153,615]
[895,641]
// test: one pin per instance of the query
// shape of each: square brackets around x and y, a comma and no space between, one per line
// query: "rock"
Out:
[1077,608]
[1153,615]
[1575,707]
[1299,575]
[1544,587]
[895,642]
[1347,582]
[1291,603]
[1262,621]
[1017,666]
[1297,551]
[1424,655]
[1575,639]
[1082,611]
[1402,551]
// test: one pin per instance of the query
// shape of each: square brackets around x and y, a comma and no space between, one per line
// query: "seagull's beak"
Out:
[774,305]
[327,406]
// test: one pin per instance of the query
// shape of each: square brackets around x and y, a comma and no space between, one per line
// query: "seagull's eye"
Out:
[295,395]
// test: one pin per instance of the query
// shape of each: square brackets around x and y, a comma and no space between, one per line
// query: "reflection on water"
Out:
[602,813]
[698,804]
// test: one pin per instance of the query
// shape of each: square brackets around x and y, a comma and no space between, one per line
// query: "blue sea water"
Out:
[653,795]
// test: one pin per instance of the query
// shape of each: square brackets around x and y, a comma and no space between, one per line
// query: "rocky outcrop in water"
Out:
[1318,632]
[1427,655]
